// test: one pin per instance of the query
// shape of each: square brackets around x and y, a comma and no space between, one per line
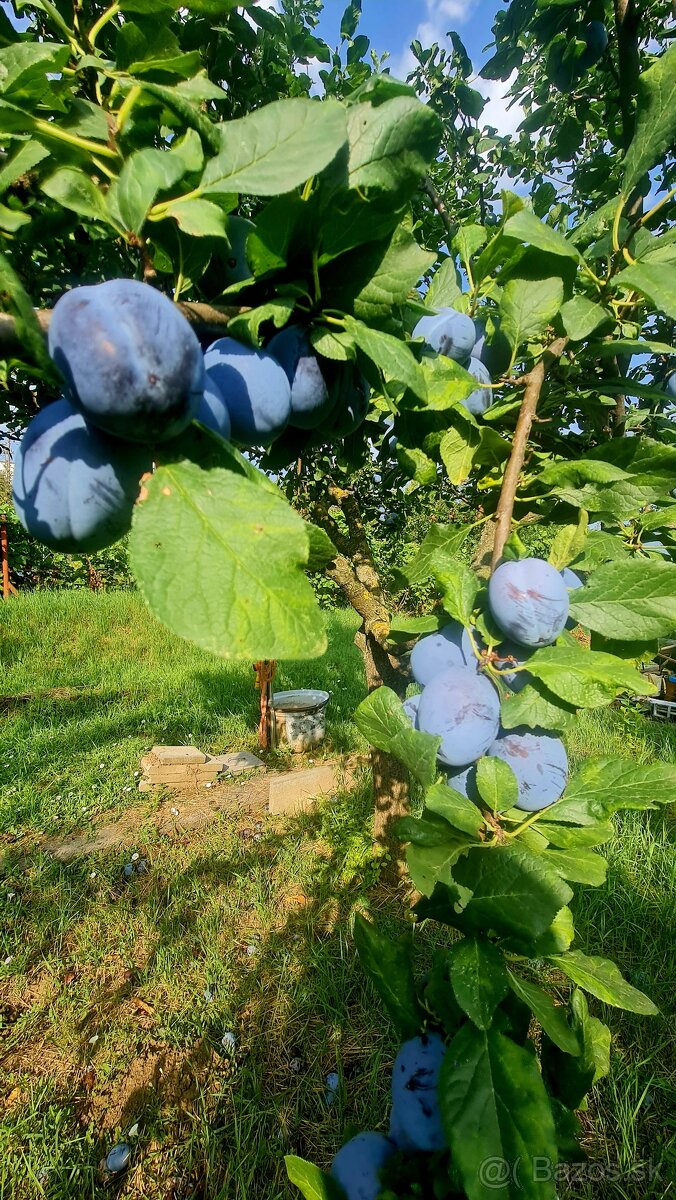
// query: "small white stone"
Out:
[251,950]
[229,1042]
[101,766]
[135,857]
[133,1131]
[9,959]
[93,1040]
[11,895]
[174,812]
[92,874]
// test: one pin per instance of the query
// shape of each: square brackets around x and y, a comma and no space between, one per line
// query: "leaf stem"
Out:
[656,207]
[103,20]
[49,129]
[616,225]
[126,106]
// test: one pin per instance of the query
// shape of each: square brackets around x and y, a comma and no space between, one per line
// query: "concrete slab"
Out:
[242,760]
[296,791]
[176,756]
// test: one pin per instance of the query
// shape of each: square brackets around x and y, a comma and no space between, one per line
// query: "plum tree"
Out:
[410,707]
[213,411]
[437,652]
[255,389]
[311,400]
[448,332]
[529,601]
[463,709]
[358,1164]
[415,1120]
[540,763]
[131,363]
[74,487]
[478,401]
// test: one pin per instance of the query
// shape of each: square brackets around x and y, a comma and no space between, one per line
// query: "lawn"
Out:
[115,997]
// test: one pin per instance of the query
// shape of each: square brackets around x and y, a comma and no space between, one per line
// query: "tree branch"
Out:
[207,320]
[627,21]
[429,188]
[535,380]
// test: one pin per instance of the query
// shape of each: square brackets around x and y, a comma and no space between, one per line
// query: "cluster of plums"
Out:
[455,335]
[566,71]
[135,376]
[415,1120]
[459,703]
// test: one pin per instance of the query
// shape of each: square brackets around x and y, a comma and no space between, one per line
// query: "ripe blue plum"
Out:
[595,37]
[448,332]
[529,601]
[74,487]
[478,401]
[571,580]
[415,1121]
[670,385]
[437,652]
[480,331]
[311,401]
[410,707]
[236,267]
[131,362]
[540,763]
[463,780]
[350,397]
[358,1164]
[463,709]
[118,1158]
[255,389]
[213,411]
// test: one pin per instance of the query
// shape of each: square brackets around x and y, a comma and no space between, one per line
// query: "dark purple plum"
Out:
[437,652]
[481,399]
[311,401]
[529,601]
[74,487]
[463,709]
[448,332]
[350,397]
[410,707]
[131,362]
[415,1120]
[595,37]
[255,389]
[540,763]
[571,580]
[213,411]
[358,1164]
[670,385]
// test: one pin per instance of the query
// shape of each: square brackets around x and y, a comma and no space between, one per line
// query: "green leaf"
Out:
[322,549]
[201,535]
[513,892]
[586,678]
[276,148]
[497,784]
[403,629]
[494,1108]
[551,1018]
[337,346]
[569,542]
[388,966]
[571,1076]
[391,145]
[468,240]
[459,586]
[390,354]
[454,808]
[380,717]
[398,272]
[312,1183]
[439,550]
[12,219]
[25,68]
[578,865]
[581,317]
[27,156]
[577,836]
[603,979]
[628,346]
[630,596]
[429,866]
[525,227]
[536,708]
[416,464]
[198,218]
[655,125]
[74,190]
[610,785]
[247,325]
[448,384]
[651,280]
[444,287]
[15,299]
[479,979]
[458,448]
[527,306]
[143,175]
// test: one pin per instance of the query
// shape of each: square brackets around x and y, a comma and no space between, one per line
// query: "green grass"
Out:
[116,998]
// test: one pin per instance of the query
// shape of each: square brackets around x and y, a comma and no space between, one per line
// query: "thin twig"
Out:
[535,380]
[439,205]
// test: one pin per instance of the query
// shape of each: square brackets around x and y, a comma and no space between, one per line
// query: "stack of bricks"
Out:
[177,767]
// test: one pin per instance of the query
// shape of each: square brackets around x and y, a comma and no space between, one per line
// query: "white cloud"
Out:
[269,5]
[497,111]
[440,16]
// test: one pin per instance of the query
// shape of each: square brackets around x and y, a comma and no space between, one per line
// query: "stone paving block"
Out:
[153,770]
[242,760]
[176,756]
[295,792]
